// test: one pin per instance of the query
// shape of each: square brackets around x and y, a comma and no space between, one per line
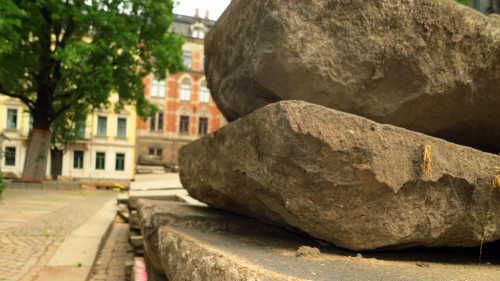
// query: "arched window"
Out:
[204,93]
[185,90]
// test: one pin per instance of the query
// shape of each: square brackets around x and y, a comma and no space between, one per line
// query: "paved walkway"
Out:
[110,265]
[35,223]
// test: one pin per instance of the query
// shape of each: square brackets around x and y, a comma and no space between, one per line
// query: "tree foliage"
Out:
[64,55]
[463,2]
[65,130]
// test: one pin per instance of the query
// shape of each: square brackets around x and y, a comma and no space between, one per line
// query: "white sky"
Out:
[188,7]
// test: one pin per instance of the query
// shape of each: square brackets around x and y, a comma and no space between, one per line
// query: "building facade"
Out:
[15,126]
[187,110]
[486,6]
[105,148]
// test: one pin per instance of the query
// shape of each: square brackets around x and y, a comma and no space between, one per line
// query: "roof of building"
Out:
[184,25]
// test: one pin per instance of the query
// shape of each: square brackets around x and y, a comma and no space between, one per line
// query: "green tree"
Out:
[60,57]
[463,2]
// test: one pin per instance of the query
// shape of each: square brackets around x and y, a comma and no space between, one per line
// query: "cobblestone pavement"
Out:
[110,264]
[33,223]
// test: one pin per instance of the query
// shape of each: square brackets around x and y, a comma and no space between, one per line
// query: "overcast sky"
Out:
[188,7]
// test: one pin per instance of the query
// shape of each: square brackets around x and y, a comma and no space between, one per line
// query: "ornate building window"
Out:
[158,89]
[153,151]
[156,122]
[203,126]
[185,94]
[184,125]
[204,93]
[188,59]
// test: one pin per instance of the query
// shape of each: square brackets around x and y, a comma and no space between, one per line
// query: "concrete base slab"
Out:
[33,185]
[168,195]
[161,181]
[150,185]
[49,185]
[155,193]
[198,243]
[122,198]
[69,185]
[16,185]
[45,185]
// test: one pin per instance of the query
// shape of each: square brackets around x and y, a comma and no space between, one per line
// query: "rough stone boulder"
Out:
[346,179]
[428,66]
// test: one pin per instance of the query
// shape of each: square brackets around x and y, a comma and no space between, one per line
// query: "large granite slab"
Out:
[346,179]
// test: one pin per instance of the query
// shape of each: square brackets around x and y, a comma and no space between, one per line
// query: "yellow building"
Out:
[105,149]
[15,125]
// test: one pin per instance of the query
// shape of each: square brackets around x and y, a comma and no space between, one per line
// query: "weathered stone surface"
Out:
[199,243]
[180,257]
[428,66]
[346,179]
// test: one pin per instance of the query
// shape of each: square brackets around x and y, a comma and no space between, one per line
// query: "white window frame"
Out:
[80,166]
[188,59]
[198,33]
[80,129]
[118,135]
[158,88]
[15,156]
[103,161]
[157,122]
[204,94]
[205,131]
[187,127]
[99,132]
[16,120]
[185,92]
[116,161]
[155,151]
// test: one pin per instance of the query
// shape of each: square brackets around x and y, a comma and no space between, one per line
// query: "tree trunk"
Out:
[35,165]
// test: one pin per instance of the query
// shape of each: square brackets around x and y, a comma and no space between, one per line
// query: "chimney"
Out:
[206,15]
[197,13]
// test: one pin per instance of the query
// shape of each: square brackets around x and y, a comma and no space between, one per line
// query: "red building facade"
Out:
[187,110]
